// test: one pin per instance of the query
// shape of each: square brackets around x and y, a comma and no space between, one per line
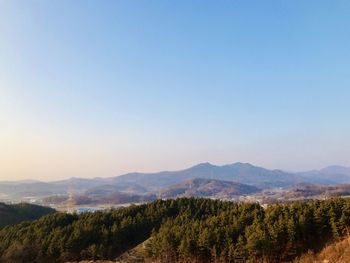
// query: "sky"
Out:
[101,88]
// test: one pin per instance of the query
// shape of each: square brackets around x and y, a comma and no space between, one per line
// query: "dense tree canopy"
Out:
[181,230]
[13,214]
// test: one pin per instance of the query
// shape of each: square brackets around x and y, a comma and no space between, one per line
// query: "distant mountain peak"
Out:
[205,165]
[241,164]
[236,164]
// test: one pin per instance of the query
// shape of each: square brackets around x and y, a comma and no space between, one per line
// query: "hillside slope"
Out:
[13,214]
[181,230]
[338,252]
[200,187]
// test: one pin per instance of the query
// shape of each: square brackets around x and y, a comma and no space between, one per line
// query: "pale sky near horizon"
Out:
[101,88]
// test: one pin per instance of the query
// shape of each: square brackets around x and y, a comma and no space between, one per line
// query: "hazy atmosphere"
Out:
[93,89]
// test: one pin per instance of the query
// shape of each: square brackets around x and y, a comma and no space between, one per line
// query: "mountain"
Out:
[140,183]
[213,188]
[13,214]
[329,175]
[238,172]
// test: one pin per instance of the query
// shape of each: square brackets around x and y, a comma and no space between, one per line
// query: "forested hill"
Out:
[13,214]
[196,230]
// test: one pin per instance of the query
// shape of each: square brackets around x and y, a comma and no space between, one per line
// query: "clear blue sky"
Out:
[99,88]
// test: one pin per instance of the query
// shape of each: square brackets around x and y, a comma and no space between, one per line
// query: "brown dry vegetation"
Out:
[338,252]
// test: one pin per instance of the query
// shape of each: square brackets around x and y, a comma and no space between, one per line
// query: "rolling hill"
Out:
[200,187]
[13,214]
[181,230]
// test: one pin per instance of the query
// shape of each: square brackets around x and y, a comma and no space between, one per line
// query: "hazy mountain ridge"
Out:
[139,183]
[329,175]
[238,172]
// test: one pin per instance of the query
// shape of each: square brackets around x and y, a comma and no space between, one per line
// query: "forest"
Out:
[181,230]
[13,214]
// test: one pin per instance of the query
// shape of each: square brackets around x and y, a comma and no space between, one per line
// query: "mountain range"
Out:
[142,183]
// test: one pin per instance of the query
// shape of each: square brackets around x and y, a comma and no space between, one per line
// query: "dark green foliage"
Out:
[276,234]
[14,214]
[181,230]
